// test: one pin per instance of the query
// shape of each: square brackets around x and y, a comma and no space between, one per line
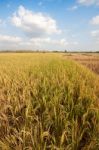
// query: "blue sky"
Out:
[49,25]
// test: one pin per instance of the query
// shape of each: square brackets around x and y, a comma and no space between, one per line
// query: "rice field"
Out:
[47,103]
[88,59]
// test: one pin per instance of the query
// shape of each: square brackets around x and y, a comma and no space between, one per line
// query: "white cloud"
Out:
[95,20]
[8,42]
[95,33]
[34,24]
[9,39]
[88,2]
[63,42]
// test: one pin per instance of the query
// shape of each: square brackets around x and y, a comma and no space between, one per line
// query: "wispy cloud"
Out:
[95,20]
[73,8]
[88,2]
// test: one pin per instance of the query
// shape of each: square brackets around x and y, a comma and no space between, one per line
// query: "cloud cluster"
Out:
[9,42]
[37,43]
[9,39]
[34,24]
[48,41]
[38,29]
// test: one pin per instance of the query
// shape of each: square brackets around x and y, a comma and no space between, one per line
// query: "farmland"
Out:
[49,101]
[88,59]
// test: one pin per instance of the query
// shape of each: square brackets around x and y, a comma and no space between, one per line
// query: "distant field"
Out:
[48,101]
[91,60]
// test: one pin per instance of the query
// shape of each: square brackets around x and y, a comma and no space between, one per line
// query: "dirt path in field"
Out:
[89,60]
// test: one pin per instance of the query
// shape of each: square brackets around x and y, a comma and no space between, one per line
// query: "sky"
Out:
[71,25]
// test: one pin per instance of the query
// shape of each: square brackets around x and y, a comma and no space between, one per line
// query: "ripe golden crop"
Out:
[47,103]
